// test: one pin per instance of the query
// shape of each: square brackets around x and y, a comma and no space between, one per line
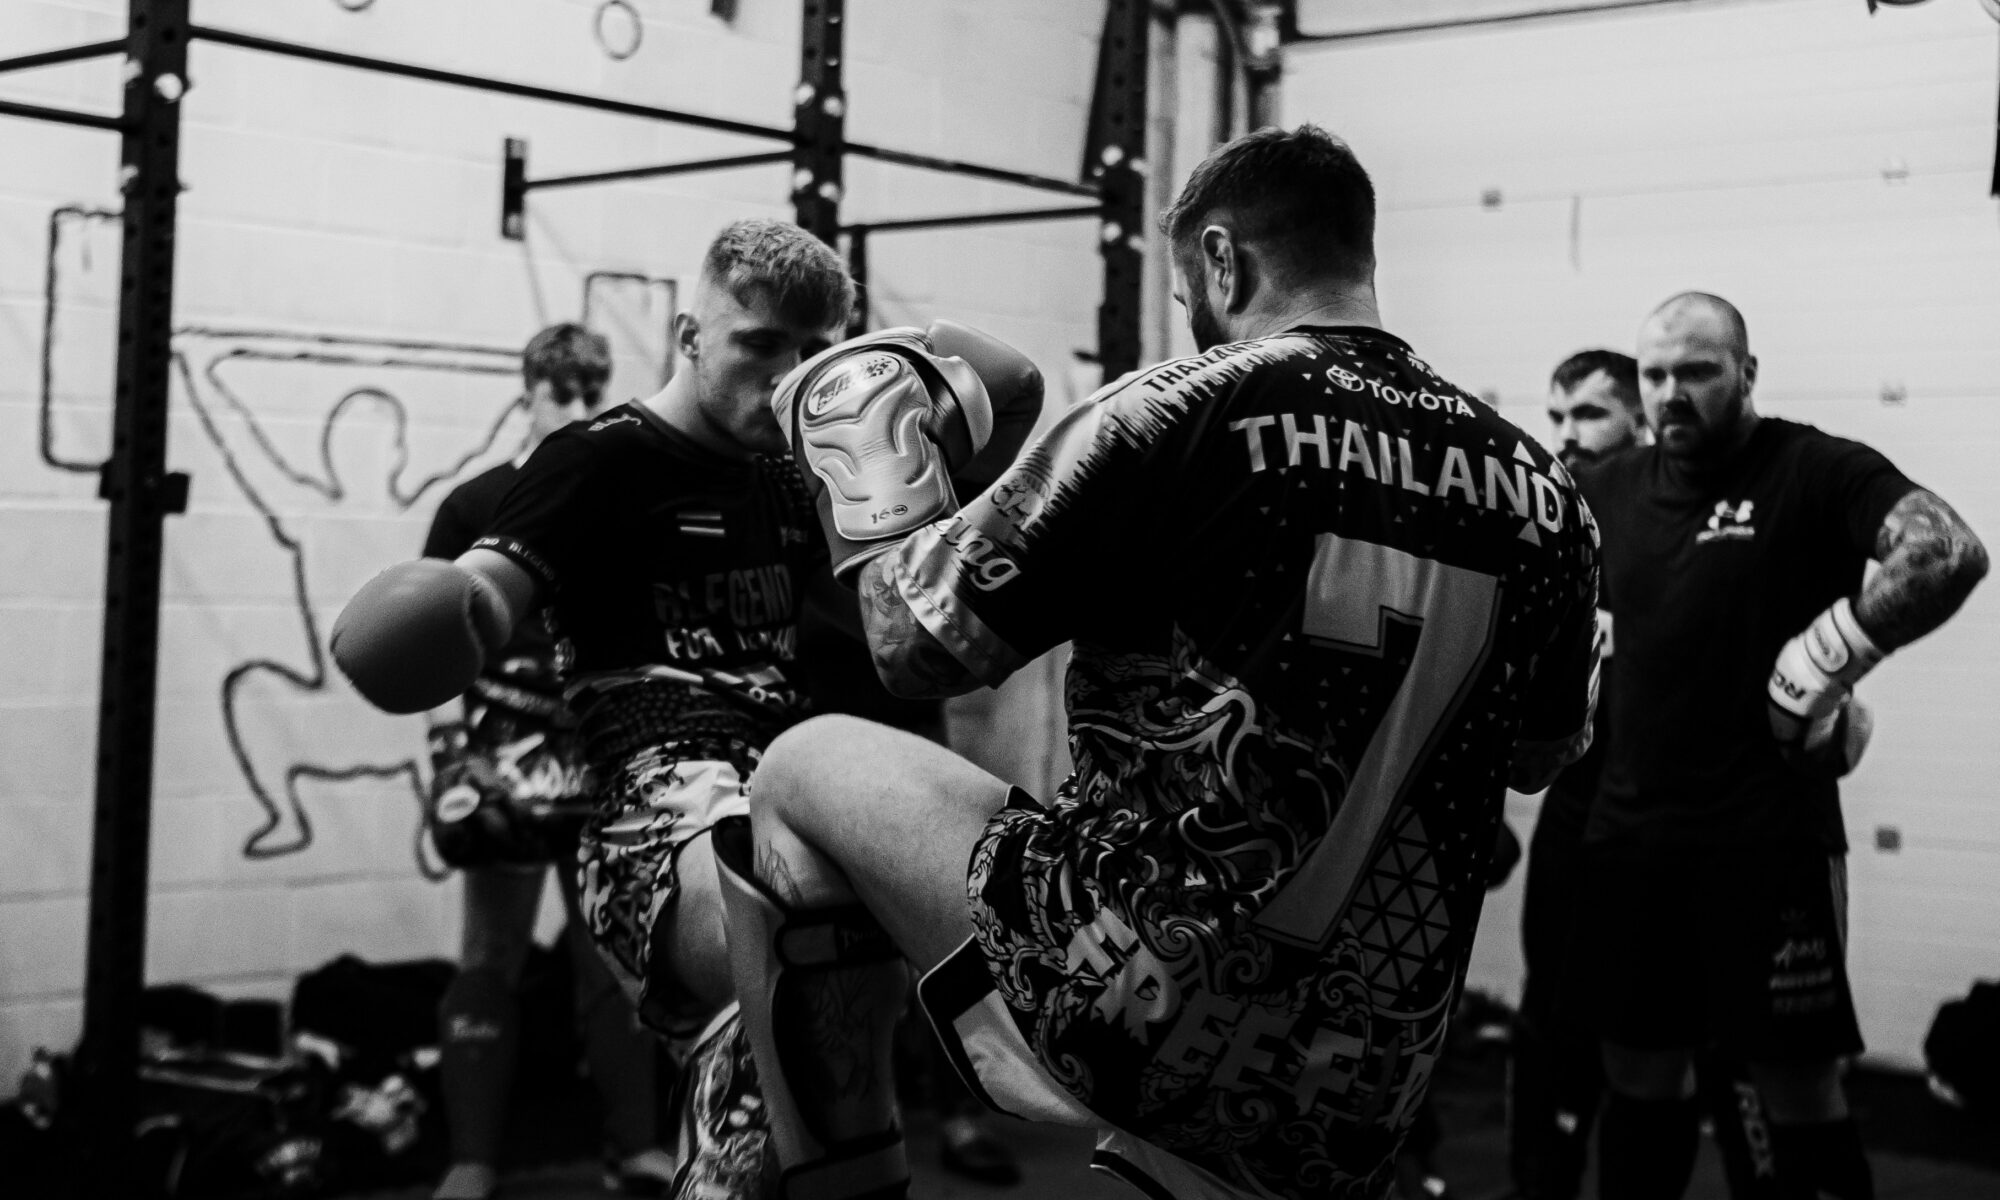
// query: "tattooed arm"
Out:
[910,662]
[1930,562]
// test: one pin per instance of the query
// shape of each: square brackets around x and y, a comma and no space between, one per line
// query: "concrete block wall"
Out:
[1827,171]
[326,203]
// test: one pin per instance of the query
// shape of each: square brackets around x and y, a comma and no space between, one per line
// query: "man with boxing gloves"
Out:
[1714,898]
[671,552]
[1324,605]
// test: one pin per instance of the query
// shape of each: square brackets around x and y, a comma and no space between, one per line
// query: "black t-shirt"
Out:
[663,559]
[1707,576]
[1318,597]
[466,513]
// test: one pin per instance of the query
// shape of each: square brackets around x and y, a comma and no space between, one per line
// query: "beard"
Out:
[1685,433]
[1202,324]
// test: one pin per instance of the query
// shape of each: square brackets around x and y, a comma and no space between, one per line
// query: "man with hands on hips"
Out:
[1714,899]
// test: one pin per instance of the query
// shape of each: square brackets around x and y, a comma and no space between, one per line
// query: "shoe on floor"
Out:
[968,1151]
[468,1181]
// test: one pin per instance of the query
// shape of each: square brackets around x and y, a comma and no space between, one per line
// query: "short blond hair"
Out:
[806,280]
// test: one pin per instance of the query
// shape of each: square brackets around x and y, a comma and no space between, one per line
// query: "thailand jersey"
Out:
[667,564]
[1319,598]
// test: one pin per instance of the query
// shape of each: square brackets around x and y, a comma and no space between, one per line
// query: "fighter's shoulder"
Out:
[482,490]
[1798,440]
[1199,377]
[620,433]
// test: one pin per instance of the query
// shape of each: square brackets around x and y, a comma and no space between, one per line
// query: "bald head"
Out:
[1695,376]
[1709,313]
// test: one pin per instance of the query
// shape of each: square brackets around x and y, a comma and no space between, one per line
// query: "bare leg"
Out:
[844,811]
[622,1056]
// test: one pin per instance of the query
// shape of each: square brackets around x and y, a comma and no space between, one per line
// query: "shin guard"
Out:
[820,990]
[479,1029]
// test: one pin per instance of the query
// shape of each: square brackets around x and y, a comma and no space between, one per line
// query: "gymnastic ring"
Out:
[604,40]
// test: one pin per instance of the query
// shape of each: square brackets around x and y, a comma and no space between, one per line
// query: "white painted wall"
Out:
[1826,170]
[323,201]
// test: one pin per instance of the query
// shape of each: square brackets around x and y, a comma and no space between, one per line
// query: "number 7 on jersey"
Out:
[1355,589]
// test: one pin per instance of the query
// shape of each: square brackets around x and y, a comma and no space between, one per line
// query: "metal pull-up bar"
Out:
[50,58]
[478,83]
[515,184]
[141,492]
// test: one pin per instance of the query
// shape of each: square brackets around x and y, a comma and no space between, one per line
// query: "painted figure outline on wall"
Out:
[275,713]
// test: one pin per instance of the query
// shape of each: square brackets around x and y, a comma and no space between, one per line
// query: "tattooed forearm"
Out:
[908,659]
[1930,563]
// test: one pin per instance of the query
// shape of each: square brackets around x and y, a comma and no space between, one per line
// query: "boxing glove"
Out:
[880,423]
[1013,384]
[1816,670]
[416,635]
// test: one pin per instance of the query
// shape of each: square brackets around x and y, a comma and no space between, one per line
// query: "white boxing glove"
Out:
[1816,670]
[879,425]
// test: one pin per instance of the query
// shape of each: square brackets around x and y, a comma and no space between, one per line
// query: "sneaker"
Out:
[968,1150]
[648,1174]
[721,1125]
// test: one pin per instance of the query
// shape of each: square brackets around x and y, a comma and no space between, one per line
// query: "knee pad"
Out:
[782,957]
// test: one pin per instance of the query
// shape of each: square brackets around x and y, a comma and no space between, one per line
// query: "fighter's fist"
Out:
[1816,670]
[416,635]
[879,424]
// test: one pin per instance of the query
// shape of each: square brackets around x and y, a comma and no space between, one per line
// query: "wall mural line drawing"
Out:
[340,488]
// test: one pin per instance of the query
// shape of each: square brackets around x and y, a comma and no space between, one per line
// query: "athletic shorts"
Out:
[1215,1081]
[670,762]
[1743,946]
[986,1048]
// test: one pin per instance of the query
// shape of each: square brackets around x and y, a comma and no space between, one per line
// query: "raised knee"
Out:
[794,756]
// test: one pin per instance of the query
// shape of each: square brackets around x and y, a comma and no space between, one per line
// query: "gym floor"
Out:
[1473,1159]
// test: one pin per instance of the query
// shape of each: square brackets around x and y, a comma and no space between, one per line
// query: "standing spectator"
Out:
[1714,896]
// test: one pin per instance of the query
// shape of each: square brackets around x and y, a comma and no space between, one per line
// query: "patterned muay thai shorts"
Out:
[670,761]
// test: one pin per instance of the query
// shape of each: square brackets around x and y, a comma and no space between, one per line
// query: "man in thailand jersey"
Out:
[1325,607]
